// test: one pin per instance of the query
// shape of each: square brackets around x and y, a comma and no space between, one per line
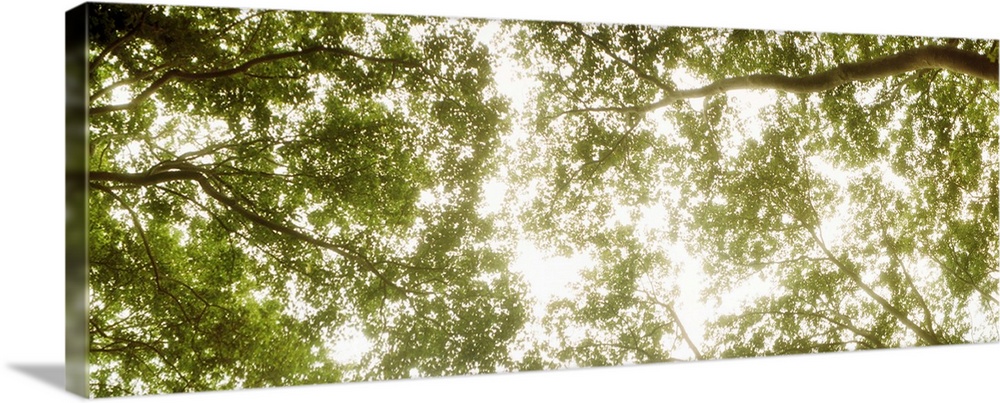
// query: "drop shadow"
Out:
[52,374]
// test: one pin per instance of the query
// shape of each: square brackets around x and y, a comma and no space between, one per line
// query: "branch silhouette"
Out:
[927,57]
[182,75]
[192,173]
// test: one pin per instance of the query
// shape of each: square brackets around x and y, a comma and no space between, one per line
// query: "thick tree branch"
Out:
[181,75]
[192,174]
[926,57]
[677,320]
[890,247]
[128,81]
[318,275]
[849,269]
[684,333]
[157,273]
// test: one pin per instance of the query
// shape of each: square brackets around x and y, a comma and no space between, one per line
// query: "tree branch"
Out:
[849,269]
[181,75]
[926,57]
[890,247]
[315,275]
[192,174]
[680,326]
[684,333]
[148,249]
[128,81]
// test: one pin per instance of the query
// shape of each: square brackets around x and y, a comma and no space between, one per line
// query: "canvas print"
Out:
[279,198]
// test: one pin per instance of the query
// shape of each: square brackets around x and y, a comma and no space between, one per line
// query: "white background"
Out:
[32,217]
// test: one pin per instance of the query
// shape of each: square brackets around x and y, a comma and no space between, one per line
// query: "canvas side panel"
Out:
[76,201]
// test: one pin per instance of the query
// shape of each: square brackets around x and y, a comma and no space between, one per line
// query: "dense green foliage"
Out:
[860,217]
[270,190]
[275,205]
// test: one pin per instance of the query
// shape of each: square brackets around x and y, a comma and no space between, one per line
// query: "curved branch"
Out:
[233,231]
[680,326]
[128,81]
[927,57]
[684,333]
[192,174]
[849,269]
[147,247]
[156,266]
[890,247]
[181,75]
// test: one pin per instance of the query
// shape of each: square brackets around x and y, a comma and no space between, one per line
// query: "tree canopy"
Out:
[282,198]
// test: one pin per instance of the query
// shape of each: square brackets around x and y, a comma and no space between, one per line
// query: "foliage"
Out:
[265,181]
[282,198]
[829,221]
